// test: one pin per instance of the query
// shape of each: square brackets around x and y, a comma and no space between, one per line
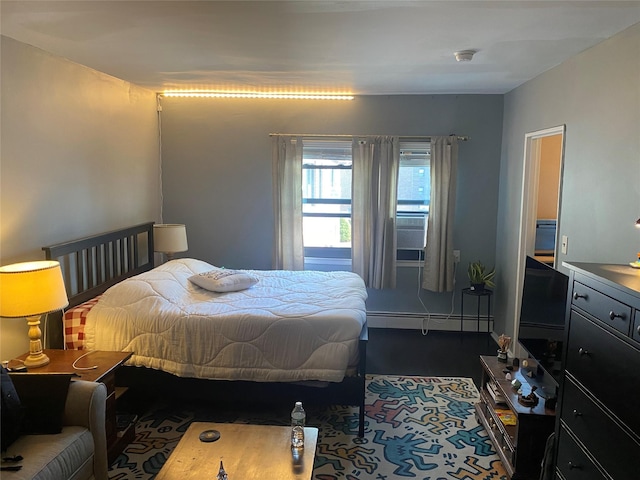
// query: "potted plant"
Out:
[479,277]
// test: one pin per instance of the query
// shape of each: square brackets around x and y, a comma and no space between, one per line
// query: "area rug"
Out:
[415,427]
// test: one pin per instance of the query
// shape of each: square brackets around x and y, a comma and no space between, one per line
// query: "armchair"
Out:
[79,452]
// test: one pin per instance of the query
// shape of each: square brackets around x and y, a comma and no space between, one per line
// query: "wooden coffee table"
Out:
[247,451]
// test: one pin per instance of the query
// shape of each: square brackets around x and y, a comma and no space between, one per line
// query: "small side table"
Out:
[478,294]
[106,364]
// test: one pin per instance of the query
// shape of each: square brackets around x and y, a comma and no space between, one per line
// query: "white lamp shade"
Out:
[31,288]
[170,238]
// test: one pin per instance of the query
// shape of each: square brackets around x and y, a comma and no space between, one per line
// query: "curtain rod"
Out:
[416,137]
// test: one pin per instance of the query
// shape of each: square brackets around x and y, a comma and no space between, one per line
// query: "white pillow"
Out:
[223,280]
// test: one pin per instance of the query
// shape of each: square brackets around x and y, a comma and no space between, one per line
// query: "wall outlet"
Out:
[564,244]
[456,256]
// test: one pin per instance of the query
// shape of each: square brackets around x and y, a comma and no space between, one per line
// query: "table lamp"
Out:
[30,290]
[170,238]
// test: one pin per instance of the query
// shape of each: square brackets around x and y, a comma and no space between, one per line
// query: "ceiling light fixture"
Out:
[277,95]
[465,55]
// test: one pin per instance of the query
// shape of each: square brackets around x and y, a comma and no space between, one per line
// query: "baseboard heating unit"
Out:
[419,321]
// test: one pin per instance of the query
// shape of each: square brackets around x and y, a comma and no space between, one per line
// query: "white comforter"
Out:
[290,326]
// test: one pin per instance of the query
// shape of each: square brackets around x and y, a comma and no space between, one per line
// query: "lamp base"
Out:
[36,357]
[36,360]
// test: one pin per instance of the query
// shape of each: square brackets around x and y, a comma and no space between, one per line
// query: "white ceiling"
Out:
[366,47]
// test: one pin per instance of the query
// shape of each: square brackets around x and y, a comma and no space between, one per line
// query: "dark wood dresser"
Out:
[598,425]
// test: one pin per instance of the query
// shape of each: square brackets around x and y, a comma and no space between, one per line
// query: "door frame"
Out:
[528,206]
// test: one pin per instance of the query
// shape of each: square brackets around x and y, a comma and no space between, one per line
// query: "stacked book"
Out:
[495,393]
[507,417]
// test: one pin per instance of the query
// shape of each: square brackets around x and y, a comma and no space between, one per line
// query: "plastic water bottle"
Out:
[298,419]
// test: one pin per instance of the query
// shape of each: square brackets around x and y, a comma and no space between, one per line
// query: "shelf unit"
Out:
[118,435]
[520,446]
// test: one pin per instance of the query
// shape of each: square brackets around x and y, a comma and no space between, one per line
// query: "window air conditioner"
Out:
[411,232]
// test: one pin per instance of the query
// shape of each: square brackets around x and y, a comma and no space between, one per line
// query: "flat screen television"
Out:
[542,317]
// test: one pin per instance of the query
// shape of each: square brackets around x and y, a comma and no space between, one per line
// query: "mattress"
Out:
[289,326]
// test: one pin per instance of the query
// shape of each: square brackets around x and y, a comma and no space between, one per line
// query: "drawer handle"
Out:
[583,351]
[577,295]
[573,465]
[613,315]
[576,413]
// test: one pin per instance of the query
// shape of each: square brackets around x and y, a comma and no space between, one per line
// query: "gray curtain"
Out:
[286,156]
[438,262]
[374,198]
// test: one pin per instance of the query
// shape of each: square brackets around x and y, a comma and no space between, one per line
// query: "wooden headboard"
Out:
[91,265]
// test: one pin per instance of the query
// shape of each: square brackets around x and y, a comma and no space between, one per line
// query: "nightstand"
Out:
[106,363]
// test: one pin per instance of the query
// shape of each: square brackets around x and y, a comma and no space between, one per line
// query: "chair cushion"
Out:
[66,455]
[42,396]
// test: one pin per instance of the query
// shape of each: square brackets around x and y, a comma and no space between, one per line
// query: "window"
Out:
[414,194]
[326,204]
[326,196]
[414,180]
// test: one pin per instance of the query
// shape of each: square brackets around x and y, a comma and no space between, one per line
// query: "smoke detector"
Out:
[464,55]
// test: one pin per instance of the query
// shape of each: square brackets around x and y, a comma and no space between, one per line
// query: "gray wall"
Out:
[79,156]
[216,163]
[597,96]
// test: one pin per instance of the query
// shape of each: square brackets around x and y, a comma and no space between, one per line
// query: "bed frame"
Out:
[93,264]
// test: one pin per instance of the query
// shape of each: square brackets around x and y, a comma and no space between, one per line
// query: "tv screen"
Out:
[542,315]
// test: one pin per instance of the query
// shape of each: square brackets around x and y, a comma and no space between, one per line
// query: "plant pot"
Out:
[502,356]
[477,287]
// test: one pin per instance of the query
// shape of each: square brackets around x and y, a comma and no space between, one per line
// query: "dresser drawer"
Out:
[606,366]
[598,432]
[612,312]
[635,332]
[572,462]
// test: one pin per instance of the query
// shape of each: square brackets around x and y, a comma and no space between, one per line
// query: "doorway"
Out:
[541,203]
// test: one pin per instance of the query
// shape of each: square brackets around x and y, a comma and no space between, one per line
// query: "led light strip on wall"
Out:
[278,95]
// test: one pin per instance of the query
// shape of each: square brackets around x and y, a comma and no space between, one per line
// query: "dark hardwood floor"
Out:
[439,353]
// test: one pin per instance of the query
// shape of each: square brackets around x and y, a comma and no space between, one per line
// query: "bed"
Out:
[275,327]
